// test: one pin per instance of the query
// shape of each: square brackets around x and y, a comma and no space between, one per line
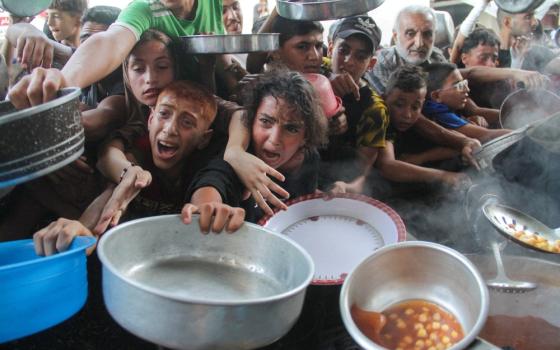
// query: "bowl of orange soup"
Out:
[414,295]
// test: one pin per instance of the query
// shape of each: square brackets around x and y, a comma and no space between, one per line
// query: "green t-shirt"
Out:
[141,15]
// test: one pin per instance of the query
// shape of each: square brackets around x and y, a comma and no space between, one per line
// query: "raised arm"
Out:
[466,29]
[34,48]
[256,60]
[93,60]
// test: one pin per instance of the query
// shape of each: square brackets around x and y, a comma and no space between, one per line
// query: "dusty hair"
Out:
[76,7]
[437,74]
[407,78]
[189,90]
[101,14]
[413,10]
[297,92]
[480,36]
[288,28]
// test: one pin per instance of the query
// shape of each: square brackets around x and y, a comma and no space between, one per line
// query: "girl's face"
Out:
[302,53]
[277,134]
[150,69]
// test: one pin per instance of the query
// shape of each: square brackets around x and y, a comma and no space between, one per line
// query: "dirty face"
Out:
[405,107]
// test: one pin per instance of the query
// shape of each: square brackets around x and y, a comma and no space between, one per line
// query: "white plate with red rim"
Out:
[338,231]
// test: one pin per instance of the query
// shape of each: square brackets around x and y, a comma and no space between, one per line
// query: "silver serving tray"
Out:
[313,10]
[230,43]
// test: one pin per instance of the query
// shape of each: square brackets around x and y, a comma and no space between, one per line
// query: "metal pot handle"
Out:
[481,344]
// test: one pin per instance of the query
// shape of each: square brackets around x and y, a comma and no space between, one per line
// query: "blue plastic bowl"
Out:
[39,292]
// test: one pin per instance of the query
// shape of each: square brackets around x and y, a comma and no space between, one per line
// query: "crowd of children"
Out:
[166,144]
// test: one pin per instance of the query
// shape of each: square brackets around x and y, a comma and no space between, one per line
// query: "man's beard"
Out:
[403,52]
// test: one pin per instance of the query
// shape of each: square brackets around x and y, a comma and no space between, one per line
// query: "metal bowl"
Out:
[166,282]
[38,140]
[230,43]
[25,8]
[416,270]
[314,10]
[518,6]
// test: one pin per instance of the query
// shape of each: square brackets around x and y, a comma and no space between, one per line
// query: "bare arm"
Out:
[399,171]
[112,160]
[98,122]
[98,56]
[256,60]
[487,74]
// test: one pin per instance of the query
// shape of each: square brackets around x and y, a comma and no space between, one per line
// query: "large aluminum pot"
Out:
[166,282]
[320,10]
[25,8]
[417,270]
[38,140]
[518,6]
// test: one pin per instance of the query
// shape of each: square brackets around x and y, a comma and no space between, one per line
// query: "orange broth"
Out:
[410,325]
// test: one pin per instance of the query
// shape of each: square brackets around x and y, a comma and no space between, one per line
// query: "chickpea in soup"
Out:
[410,325]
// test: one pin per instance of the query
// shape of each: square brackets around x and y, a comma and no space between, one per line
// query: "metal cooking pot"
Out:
[25,8]
[528,312]
[317,10]
[230,43]
[417,270]
[518,6]
[38,140]
[445,29]
[166,282]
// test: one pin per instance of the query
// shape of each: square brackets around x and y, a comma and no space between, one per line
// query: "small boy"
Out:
[64,20]
[350,156]
[162,165]
[447,93]
[405,95]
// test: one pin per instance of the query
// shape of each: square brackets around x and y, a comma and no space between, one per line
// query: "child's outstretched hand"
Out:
[343,84]
[254,174]
[133,181]
[57,237]
[214,215]
[469,146]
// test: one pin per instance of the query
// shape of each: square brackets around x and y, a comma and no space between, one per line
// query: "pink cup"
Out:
[330,103]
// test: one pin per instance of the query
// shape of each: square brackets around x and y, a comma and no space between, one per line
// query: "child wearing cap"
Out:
[350,156]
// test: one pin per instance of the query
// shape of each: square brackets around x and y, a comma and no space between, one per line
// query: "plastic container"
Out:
[329,101]
[39,292]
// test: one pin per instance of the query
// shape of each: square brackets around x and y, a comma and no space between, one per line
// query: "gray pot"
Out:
[166,282]
[417,270]
[518,6]
[25,8]
[38,140]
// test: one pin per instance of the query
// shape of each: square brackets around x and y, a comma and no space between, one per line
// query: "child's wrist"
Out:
[125,171]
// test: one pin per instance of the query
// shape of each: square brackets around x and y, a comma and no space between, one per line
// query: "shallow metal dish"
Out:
[508,220]
[518,6]
[485,155]
[417,270]
[230,43]
[38,140]
[313,10]
[25,8]
[166,282]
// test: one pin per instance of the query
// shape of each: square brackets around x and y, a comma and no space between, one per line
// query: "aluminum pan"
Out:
[313,10]
[230,43]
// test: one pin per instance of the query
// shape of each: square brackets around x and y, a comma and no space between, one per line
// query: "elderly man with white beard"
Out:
[414,34]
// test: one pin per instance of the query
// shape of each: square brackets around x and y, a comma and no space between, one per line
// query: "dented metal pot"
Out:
[38,140]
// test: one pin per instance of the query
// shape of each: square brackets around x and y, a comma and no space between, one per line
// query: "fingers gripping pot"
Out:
[168,283]
[38,140]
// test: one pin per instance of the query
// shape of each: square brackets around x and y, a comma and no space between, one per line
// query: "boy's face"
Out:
[454,91]
[415,37]
[150,69]
[177,127]
[405,107]
[63,24]
[523,23]
[276,134]
[232,16]
[351,55]
[482,55]
[302,53]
